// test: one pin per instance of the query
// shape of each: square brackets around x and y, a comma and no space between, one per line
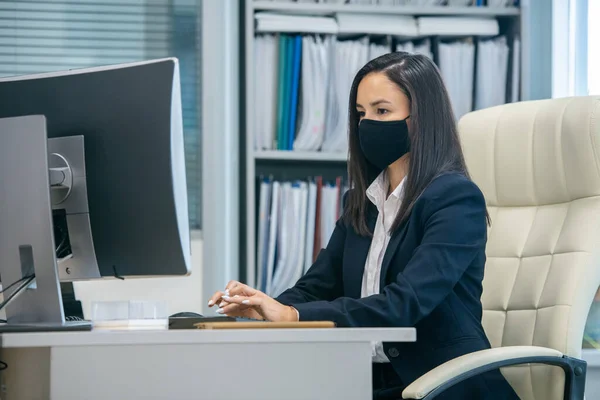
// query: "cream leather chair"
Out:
[538,164]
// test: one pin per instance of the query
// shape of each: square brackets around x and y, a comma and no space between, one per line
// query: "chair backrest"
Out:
[538,165]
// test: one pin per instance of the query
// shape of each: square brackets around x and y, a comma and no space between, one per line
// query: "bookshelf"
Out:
[293,164]
[300,156]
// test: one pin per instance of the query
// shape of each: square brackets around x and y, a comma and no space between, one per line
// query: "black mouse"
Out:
[186,314]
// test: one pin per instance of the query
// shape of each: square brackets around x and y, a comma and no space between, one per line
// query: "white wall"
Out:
[180,293]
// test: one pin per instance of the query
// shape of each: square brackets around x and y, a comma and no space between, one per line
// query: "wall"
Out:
[180,293]
[220,175]
[537,64]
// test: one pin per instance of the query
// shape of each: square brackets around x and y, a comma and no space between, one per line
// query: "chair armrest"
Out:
[469,365]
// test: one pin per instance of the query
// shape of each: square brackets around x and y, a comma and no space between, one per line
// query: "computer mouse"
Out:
[186,314]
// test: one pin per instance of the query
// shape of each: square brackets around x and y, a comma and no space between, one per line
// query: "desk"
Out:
[193,364]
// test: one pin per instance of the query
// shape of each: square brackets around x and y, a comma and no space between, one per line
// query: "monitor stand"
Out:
[27,243]
[71,305]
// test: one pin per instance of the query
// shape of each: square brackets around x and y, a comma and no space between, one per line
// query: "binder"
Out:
[309,241]
[294,215]
[296,219]
[266,91]
[329,211]
[492,71]
[258,91]
[377,50]
[283,237]
[457,66]
[273,222]
[295,87]
[338,199]
[287,92]
[281,90]
[350,56]
[263,233]
[317,236]
[315,71]
[516,71]
[417,47]
[424,47]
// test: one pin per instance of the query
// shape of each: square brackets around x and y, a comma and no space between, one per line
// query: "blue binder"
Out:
[295,94]
[287,91]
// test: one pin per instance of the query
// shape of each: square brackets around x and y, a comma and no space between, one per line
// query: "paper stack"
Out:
[377,24]
[273,22]
[457,26]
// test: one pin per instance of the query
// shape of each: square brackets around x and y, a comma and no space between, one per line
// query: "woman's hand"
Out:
[239,300]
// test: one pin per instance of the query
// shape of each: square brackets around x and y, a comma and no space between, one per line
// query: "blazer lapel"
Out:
[393,245]
[360,250]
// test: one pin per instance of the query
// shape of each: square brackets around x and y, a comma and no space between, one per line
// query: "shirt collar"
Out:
[377,191]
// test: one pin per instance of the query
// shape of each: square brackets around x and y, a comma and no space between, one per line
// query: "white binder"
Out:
[492,71]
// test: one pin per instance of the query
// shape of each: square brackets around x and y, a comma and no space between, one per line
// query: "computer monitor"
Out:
[130,119]
[109,141]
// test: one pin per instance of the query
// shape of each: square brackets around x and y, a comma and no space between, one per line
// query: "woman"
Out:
[409,250]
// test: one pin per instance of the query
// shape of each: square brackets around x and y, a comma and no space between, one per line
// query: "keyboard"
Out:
[47,327]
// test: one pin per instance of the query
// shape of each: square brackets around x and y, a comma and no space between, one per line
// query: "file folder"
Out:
[295,221]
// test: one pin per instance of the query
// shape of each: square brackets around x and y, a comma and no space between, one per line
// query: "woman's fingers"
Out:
[215,298]
[241,311]
[243,300]
[232,284]
[233,288]
[234,310]
[242,290]
[222,304]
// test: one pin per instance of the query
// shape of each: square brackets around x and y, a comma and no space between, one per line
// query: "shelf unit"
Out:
[255,163]
[300,156]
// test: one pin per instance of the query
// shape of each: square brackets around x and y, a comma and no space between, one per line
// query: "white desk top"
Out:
[192,336]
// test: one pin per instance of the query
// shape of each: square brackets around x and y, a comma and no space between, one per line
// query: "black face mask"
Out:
[383,142]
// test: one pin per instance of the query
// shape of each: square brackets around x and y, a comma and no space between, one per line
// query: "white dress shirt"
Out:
[388,207]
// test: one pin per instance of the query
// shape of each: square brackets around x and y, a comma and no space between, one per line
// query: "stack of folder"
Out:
[349,57]
[377,24]
[295,220]
[277,78]
[492,72]
[274,22]
[457,26]
[316,67]
[301,89]
[302,82]
[477,74]
[266,119]
[377,50]
[417,47]
[457,65]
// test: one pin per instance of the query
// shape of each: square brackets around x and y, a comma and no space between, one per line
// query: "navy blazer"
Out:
[431,279]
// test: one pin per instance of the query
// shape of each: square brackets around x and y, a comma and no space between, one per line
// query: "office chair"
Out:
[538,164]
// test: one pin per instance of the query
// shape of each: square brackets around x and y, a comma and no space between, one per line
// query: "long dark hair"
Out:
[434,143]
